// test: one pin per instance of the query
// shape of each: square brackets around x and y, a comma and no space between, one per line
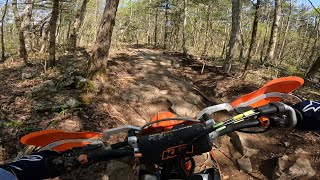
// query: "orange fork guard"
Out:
[281,85]
[45,137]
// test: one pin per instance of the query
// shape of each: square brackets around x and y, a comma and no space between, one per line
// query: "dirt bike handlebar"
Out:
[199,135]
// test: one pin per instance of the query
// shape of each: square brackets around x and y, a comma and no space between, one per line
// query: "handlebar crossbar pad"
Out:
[166,145]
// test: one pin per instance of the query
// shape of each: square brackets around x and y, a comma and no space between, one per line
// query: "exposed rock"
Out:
[286,144]
[73,82]
[251,152]
[238,142]
[117,170]
[285,169]
[73,103]
[184,109]
[163,92]
[244,164]
[67,82]
[43,106]
[26,75]
[80,82]
[47,86]
[301,167]
[300,151]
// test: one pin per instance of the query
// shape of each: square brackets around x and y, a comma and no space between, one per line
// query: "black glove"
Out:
[308,113]
[35,166]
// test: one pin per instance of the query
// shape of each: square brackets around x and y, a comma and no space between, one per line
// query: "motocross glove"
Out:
[35,166]
[308,113]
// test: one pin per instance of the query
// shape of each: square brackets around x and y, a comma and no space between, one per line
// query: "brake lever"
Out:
[65,164]
[74,158]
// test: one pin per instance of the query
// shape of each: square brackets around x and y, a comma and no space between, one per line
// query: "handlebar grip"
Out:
[102,153]
[278,107]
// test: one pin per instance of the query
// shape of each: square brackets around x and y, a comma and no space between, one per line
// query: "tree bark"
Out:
[52,37]
[166,15]
[236,13]
[44,37]
[185,13]
[208,21]
[77,24]
[98,61]
[283,45]
[156,28]
[22,45]
[243,43]
[3,57]
[265,34]
[26,24]
[149,23]
[253,34]
[274,32]
[313,68]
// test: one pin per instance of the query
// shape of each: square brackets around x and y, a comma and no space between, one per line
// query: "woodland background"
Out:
[87,65]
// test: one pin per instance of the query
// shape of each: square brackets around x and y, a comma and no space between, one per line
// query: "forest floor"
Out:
[141,82]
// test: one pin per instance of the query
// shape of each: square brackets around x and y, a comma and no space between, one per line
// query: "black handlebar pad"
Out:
[166,145]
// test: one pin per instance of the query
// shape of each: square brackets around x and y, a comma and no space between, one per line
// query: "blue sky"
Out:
[314,2]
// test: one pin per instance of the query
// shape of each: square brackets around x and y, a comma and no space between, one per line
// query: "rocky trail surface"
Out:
[141,82]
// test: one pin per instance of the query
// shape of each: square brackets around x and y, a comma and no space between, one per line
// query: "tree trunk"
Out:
[184,48]
[274,32]
[166,15]
[77,25]
[156,28]
[315,48]
[224,43]
[283,45]
[265,34]
[3,57]
[53,28]
[22,45]
[26,24]
[149,23]
[59,24]
[305,50]
[243,44]
[313,68]
[208,21]
[44,37]
[236,13]
[98,61]
[253,34]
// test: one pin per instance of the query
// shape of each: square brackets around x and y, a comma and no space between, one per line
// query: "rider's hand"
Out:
[310,112]
[35,166]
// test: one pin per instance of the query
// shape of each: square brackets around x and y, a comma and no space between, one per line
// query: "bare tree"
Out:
[266,32]
[98,61]
[3,57]
[22,45]
[52,37]
[313,68]
[166,21]
[44,37]
[77,24]
[26,24]
[236,14]
[274,32]
[184,48]
[253,34]
[156,27]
